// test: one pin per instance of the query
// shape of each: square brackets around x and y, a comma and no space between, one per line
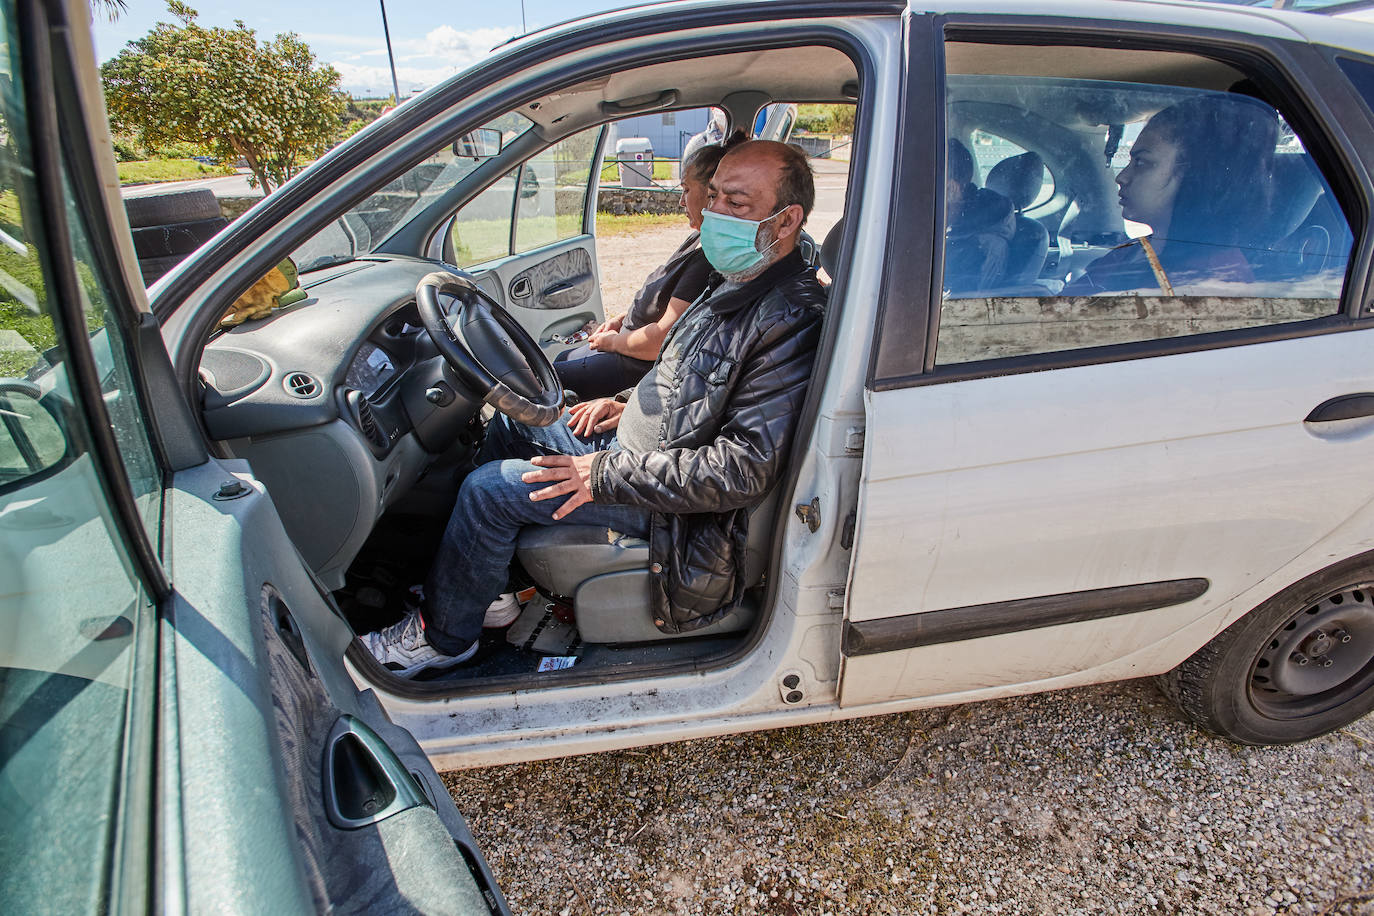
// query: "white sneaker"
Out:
[403,648]
[502,612]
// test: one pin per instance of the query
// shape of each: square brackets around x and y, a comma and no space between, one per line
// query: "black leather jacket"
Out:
[741,362]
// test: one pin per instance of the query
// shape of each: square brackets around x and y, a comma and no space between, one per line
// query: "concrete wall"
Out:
[638,200]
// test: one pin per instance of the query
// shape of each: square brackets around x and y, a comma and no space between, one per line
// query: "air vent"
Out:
[367,422]
[359,409]
[301,385]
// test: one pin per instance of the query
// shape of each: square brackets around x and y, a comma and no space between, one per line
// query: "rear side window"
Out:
[1125,210]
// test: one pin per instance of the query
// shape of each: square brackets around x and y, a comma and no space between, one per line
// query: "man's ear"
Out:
[790,221]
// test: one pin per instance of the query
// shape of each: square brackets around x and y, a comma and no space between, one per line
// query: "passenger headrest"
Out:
[830,248]
[1296,189]
[1018,178]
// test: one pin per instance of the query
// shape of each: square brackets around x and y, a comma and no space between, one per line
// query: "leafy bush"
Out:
[219,91]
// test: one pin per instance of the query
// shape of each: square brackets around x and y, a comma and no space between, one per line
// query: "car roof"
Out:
[1350,26]
[1340,32]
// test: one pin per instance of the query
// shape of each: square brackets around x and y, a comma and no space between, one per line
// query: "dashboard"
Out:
[339,403]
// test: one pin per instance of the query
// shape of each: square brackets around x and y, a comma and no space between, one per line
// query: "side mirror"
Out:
[31,438]
[482,143]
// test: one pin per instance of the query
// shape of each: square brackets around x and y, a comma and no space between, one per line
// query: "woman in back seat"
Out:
[1200,176]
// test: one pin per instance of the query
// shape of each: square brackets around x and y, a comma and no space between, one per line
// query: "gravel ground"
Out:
[1096,800]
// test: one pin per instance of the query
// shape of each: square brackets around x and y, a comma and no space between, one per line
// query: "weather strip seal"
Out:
[910,631]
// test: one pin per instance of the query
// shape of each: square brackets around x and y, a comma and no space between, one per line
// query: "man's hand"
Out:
[568,475]
[596,416]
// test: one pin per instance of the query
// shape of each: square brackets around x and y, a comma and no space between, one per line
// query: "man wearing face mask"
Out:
[680,459]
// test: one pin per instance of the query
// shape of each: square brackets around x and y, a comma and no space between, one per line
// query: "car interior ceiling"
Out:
[398,550]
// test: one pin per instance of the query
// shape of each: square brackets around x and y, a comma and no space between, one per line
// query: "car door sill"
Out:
[892,634]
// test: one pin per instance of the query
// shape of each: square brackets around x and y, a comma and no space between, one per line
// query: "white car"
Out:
[1094,401]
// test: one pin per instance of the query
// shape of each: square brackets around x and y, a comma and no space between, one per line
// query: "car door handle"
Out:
[521,288]
[1345,407]
[664,99]
[364,781]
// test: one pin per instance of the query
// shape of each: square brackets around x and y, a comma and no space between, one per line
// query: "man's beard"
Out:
[763,242]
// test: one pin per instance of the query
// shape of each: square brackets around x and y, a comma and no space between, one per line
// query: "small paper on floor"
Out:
[557,663]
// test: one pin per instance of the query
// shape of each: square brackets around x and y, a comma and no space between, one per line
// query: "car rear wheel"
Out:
[1298,666]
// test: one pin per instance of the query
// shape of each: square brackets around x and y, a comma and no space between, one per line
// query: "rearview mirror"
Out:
[482,143]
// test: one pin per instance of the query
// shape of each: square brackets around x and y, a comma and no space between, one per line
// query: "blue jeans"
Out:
[493,504]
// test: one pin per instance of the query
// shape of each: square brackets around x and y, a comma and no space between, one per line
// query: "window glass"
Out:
[989,153]
[481,230]
[70,606]
[1087,212]
[553,192]
[358,231]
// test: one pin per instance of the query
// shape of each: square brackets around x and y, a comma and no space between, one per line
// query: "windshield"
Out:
[359,230]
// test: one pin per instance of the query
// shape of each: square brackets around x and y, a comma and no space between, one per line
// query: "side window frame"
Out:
[1307,89]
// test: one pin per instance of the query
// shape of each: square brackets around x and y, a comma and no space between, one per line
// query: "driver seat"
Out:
[606,573]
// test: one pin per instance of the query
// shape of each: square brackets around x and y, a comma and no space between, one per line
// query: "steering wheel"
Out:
[489,351]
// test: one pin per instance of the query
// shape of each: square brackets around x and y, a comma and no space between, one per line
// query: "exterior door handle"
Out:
[1345,407]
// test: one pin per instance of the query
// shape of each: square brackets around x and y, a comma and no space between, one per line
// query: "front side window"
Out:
[539,202]
[1090,212]
[553,192]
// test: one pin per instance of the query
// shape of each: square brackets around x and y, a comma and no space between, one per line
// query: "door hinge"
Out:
[810,514]
[847,529]
[835,599]
[854,439]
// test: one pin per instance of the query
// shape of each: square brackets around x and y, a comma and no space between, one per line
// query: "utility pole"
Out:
[395,86]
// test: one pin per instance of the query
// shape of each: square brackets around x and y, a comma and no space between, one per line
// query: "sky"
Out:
[431,40]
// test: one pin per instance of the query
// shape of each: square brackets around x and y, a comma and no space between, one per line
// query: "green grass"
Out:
[37,330]
[613,224]
[149,170]
[479,240]
[663,170]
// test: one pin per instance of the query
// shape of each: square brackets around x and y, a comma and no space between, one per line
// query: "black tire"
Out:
[153,268]
[172,207]
[1296,667]
[178,239]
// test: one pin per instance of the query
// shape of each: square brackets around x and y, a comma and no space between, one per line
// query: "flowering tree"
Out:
[218,88]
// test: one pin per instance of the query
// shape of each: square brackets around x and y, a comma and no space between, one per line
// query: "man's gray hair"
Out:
[797,183]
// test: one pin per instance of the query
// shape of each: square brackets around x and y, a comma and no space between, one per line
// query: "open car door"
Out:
[177,728]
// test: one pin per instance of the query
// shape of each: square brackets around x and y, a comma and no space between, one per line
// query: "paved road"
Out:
[225,186]
[832,178]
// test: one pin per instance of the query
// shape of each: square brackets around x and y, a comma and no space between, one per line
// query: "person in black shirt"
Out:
[622,349]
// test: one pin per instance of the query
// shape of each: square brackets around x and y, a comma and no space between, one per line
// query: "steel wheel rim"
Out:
[1321,657]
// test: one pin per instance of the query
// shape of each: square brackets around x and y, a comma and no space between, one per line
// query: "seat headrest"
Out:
[830,248]
[1296,189]
[1018,178]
